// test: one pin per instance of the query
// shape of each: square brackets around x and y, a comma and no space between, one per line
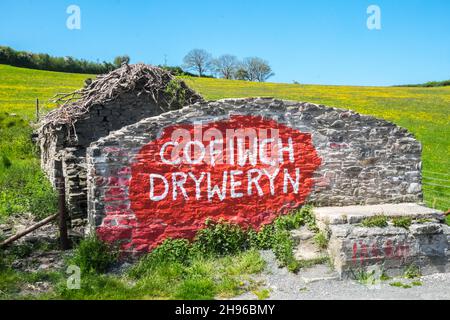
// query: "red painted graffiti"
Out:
[363,251]
[246,170]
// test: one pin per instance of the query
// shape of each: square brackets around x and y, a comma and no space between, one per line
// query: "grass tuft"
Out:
[321,240]
[402,222]
[412,272]
[93,255]
[262,294]
[379,221]
[400,285]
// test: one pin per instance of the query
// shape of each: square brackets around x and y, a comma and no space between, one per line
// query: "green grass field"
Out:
[424,111]
[23,187]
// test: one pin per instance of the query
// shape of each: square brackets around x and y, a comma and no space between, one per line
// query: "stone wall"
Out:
[68,143]
[342,158]
[391,249]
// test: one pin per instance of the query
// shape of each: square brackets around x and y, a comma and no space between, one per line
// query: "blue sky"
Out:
[322,42]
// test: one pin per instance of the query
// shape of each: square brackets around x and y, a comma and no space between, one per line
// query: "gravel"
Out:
[321,283]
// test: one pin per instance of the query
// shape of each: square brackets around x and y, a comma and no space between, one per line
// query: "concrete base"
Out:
[353,247]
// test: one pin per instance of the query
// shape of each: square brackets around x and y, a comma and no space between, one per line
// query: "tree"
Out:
[198,60]
[257,69]
[241,74]
[226,66]
[119,60]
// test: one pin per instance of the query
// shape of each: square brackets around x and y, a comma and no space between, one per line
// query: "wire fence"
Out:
[431,180]
[436,179]
[435,185]
[437,188]
[431,190]
[446,201]
[435,173]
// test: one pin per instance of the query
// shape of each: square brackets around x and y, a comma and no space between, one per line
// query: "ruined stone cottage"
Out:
[145,158]
[123,97]
[364,160]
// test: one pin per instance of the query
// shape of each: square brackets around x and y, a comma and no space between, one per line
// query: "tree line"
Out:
[198,61]
[227,66]
[43,61]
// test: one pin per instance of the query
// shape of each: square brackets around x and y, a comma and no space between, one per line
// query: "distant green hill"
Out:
[424,111]
[429,84]
[43,61]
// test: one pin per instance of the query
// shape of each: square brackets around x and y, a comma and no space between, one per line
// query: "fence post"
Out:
[37,109]
[62,212]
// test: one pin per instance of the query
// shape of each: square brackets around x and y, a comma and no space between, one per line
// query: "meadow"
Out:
[23,187]
[424,111]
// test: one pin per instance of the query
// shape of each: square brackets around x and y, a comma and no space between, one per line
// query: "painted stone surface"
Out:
[228,178]
[245,161]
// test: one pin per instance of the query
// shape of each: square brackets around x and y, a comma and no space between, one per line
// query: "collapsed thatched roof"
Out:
[164,89]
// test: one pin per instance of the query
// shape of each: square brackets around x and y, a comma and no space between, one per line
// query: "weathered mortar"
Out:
[364,160]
